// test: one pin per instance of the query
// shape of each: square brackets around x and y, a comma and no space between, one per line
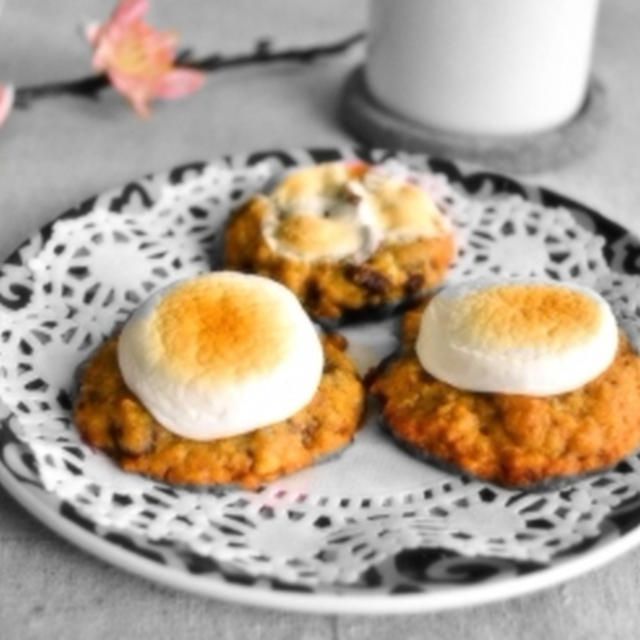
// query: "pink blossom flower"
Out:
[138,59]
[7,95]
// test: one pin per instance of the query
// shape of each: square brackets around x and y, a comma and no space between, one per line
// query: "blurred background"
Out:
[66,148]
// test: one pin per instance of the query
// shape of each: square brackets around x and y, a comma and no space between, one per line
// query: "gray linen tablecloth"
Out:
[65,149]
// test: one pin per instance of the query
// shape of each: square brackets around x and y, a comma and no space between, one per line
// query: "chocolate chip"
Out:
[414,283]
[369,278]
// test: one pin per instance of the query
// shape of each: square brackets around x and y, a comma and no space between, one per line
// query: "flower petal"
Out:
[179,82]
[166,40]
[126,16]
[91,32]
[136,90]
[129,11]
[139,59]
[7,97]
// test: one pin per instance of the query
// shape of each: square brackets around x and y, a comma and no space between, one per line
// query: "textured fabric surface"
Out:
[65,149]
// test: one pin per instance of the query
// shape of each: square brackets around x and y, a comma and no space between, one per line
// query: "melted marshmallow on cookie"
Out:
[341,210]
[221,354]
[521,337]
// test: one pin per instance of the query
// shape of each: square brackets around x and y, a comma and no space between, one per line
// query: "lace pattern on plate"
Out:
[69,286]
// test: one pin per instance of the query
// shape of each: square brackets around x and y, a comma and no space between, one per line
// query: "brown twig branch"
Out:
[90,86]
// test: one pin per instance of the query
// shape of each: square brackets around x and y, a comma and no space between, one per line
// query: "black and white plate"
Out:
[373,531]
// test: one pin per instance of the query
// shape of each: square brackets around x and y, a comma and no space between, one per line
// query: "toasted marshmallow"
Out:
[221,354]
[404,210]
[521,337]
[338,210]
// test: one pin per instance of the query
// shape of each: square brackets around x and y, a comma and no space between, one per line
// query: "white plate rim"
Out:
[318,603]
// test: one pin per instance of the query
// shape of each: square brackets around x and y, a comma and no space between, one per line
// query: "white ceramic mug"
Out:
[481,67]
